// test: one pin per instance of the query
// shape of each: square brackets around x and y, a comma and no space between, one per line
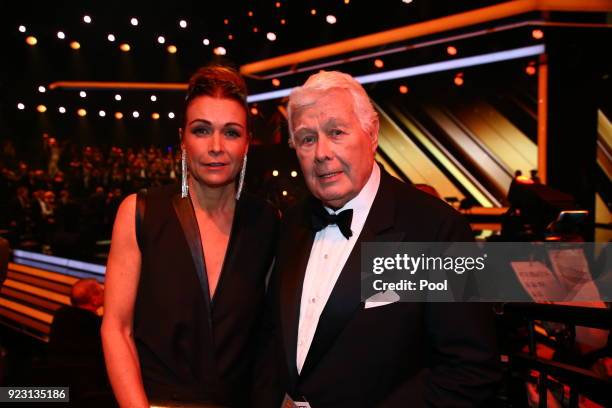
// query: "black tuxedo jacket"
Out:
[401,354]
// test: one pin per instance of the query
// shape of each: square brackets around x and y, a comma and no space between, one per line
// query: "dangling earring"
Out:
[184,185]
[241,179]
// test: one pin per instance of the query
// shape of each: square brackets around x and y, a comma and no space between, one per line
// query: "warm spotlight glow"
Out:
[118,115]
[537,34]
[102,113]
[206,41]
[378,63]
[41,108]
[161,39]
[117,97]
[111,37]
[284,193]
[153,98]
[278,4]
[313,12]
[331,19]
[283,21]
[75,45]
[403,89]
[81,112]
[451,50]
[134,21]
[22,29]
[171,115]
[524,180]
[530,70]
[61,35]
[220,51]
[83,94]
[135,114]
[183,24]
[255,29]
[172,49]
[42,89]
[20,106]
[458,79]
[250,14]
[407,1]
[226,21]
[61,109]
[230,37]
[87,19]
[347,1]
[155,116]
[254,111]
[293,173]
[125,47]
[276,82]
[275,173]
[31,40]
[271,36]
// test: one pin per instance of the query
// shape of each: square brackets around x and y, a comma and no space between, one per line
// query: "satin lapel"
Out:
[186,216]
[296,245]
[345,298]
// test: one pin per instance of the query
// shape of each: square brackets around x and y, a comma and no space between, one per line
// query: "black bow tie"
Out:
[321,219]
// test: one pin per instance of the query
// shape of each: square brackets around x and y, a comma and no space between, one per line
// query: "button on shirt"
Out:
[329,253]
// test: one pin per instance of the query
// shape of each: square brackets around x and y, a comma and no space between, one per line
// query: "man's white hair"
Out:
[308,93]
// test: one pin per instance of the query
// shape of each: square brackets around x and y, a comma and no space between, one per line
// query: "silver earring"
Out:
[184,185]
[241,179]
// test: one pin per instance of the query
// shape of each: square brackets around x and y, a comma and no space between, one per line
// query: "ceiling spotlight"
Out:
[451,50]
[250,14]
[226,21]
[117,97]
[22,29]
[153,98]
[41,108]
[125,47]
[293,173]
[75,45]
[347,1]
[171,115]
[118,115]
[275,173]
[83,94]
[285,193]
[42,89]
[31,40]
[378,63]
[278,4]
[172,49]
[537,34]
[81,112]
[255,29]
[111,37]
[407,1]
[161,39]
[276,82]
[530,70]
[20,106]
[459,79]
[254,111]
[61,35]
[313,12]
[331,19]
[183,24]
[61,109]
[403,89]
[155,115]
[230,37]
[87,19]
[102,113]
[206,41]
[134,21]
[135,114]
[220,51]
[283,21]
[271,36]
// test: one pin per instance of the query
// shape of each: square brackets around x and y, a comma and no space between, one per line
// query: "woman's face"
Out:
[215,139]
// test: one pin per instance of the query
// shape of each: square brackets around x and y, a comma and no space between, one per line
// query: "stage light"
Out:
[31,40]
[83,94]
[530,70]
[254,111]
[172,49]
[293,173]
[331,19]
[378,63]
[271,36]
[183,24]
[407,1]
[284,193]
[20,106]
[155,116]
[230,37]
[102,113]
[41,108]
[111,37]
[347,1]
[153,98]
[226,21]
[134,21]
[22,29]
[278,4]
[82,112]
[135,114]
[42,89]
[283,21]
[313,12]
[459,79]
[117,97]
[275,173]
[276,82]
[87,19]
[75,45]
[125,47]
[118,115]
[161,39]
[61,109]
[537,34]
[255,29]
[220,51]
[403,89]
[61,35]
[250,14]
[206,41]
[171,115]
[451,50]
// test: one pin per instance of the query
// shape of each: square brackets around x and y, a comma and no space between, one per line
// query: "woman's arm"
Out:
[122,275]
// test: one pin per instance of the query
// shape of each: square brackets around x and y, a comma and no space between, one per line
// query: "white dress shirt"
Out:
[329,253]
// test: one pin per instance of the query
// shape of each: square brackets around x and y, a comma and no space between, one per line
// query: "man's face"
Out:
[336,155]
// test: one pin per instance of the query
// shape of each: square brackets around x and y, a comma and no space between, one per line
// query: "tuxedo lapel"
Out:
[345,298]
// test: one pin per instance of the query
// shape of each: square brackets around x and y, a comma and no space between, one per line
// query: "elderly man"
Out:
[324,349]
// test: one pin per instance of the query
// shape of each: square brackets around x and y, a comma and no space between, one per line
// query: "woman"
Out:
[185,288]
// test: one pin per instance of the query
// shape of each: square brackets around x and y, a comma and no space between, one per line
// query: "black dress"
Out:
[193,348]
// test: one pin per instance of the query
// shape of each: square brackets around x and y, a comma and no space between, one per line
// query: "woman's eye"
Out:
[200,131]
[232,133]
